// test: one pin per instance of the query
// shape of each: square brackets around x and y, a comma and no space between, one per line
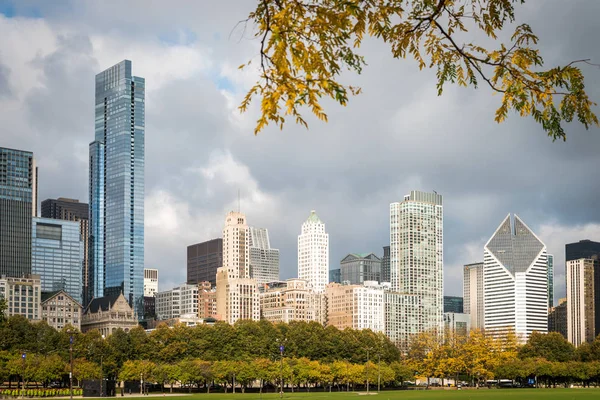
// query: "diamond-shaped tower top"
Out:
[314,218]
[516,249]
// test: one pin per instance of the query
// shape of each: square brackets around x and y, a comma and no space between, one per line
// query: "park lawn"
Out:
[484,394]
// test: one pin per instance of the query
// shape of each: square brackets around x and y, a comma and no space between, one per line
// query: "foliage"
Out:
[552,346]
[306,45]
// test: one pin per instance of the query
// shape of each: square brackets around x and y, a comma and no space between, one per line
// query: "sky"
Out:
[396,137]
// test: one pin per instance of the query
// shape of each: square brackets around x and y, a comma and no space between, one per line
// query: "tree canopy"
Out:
[306,45]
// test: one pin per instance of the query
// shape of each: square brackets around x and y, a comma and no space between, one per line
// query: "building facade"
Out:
[473,299]
[557,318]
[23,296]
[356,306]
[402,312]
[581,300]
[264,260]
[108,314]
[356,268]
[416,258]
[60,310]
[18,204]
[385,264]
[72,210]
[453,304]
[181,300]
[515,274]
[458,324]
[550,280]
[57,255]
[313,253]
[207,300]
[335,275]
[237,294]
[150,282]
[203,260]
[288,301]
[117,160]
[582,249]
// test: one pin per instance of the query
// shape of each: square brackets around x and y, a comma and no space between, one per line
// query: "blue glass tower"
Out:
[117,186]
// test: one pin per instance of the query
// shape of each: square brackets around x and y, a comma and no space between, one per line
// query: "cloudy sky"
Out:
[396,137]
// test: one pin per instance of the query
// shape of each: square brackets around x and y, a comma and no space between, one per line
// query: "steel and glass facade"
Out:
[57,255]
[264,260]
[358,268]
[453,304]
[117,186]
[550,280]
[18,203]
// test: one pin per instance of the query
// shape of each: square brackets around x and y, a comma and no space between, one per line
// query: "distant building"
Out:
[57,255]
[72,210]
[149,308]
[203,260]
[515,274]
[335,275]
[207,300]
[290,301]
[457,323]
[264,260]
[356,306]
[453,304]
[557,318]
[385,264]
[582,249]
[581,300]
[108,314]
[401,318]
[550,280]
[313,253]
[150,282]
[357,268]
[473,294]
[178,301]
[18,203]
[60,310]
[23,296]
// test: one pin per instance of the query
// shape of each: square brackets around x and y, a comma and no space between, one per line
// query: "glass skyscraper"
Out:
[117,186]
[18,203]
[57,255]
[550,280]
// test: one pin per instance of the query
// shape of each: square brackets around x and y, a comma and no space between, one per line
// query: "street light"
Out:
[378,372]
[23,355]
[70,332]
[281,349]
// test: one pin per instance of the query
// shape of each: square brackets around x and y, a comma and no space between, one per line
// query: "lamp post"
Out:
[378,372]
[23,355]
[141,383]
[281,349]
[368,370]
[70,332]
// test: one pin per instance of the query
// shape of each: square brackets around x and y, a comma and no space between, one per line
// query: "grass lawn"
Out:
[483,394]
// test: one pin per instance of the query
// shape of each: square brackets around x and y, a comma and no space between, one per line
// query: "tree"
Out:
[3,307]
[86,370]
[134,370]
[305,46]
[551,346]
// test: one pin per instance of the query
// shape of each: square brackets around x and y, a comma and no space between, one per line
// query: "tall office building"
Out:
[385,264]
[57,255]
[264,260]
[18,203]
[557,318]
[550,280]
[473,294]
[23,296]
[581,300]
[515,277]
[313,253]
[203,260]
[416,257]
[72,210]
[150,282]
[335,275]
[357,268]
[453,304]
[237,294]
[582,249]
[356,306]
[117,187]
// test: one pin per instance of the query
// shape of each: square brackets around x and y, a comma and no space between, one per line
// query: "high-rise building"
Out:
[18,203]
[453,304]
[117,187]
[550,280]
[335,275]
[237,294]
[181,300]
[582,249]
[57,255]
[289,301]
[515,276]
[416,258]
[356,306]
[557,318]
[385,264]
[473,294]
[203,260]
[264,260]
[357,268]
[23,296]
[72,210]
[313,253]
[402,312]
[150,282]
[581,300]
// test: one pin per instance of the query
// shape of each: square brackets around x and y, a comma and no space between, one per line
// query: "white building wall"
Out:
[313,253]
[370,308]
[473,294]
[150,282]
[580,280]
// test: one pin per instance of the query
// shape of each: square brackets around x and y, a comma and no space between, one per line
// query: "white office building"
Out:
[150,282]
[473,294]
[581,304]
[264,260]
[515,275]
[313,253]
[181,300]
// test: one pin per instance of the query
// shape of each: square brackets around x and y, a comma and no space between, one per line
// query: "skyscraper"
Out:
[117,186]
[582,249]
[18,203]
[313,253]
[72,210]
[203,260]
[550,280]
[416,256]
[264,260]
[581,304]
[453,304]
[357,268]
[57,255]
[515,274]
[473,294]
[385,264]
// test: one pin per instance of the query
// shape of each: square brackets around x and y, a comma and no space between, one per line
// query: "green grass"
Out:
[483,394]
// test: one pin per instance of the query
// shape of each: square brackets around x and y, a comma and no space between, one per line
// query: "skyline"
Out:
[195,136]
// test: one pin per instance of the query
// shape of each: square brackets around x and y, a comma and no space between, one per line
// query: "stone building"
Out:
[59,310]
[107,314]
